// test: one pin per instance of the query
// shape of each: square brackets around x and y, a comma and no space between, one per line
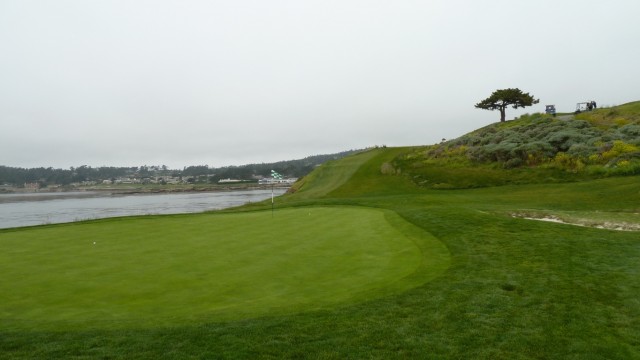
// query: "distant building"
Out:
[167,180]
[31,186]
[269,181]
[228,181]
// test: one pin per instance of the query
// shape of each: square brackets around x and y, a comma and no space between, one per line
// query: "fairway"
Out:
[174,270]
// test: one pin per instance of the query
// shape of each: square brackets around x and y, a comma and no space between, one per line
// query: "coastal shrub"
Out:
[581,150]
[477,154]
[601,145]
[567,162]
[627,167]
[472,140]
[618,148]
[501,151]
[538,147]
[562,159]
[630,130]
[535,117]
[496,138]
[563,140]
[579,124]
[456,151]
[535,159]
[515,138]
[594,158]
[513,163]
[590,139]
[616,168]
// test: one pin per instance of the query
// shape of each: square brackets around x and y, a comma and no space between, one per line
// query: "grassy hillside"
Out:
[492,284]
[533,149]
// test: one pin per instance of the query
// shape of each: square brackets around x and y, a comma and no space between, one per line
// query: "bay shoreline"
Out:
[20,195]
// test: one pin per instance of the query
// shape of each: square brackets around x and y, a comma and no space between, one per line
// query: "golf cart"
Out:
[585,106]
[550,109]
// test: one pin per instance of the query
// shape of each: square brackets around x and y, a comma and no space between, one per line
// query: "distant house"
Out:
[127,180]
[31,186]
[228,181]
[167,180]
[269,181]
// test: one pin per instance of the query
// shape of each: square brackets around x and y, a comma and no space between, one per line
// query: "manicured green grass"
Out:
[167,271]
[504,287]
[331,175]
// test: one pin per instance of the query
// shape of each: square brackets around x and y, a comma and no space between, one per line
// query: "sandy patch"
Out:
[609,225]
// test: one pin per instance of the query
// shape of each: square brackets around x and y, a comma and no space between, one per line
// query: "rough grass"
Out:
[515,288]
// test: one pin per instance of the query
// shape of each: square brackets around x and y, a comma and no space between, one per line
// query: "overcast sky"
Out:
[185,82]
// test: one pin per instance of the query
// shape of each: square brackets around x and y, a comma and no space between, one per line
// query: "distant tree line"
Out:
[47,176]
[288,168]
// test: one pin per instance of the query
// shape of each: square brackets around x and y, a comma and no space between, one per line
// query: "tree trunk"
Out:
[502,114]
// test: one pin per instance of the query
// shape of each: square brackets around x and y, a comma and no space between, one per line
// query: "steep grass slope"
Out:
[331,176]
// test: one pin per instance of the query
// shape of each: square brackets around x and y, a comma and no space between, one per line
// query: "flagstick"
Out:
[274,176]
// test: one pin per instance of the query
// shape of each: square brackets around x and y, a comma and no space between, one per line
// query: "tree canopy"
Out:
[501,98]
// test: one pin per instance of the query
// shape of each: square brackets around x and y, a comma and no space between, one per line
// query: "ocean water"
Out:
[18,210]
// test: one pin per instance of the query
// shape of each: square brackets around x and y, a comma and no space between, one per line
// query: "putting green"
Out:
[172,270]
